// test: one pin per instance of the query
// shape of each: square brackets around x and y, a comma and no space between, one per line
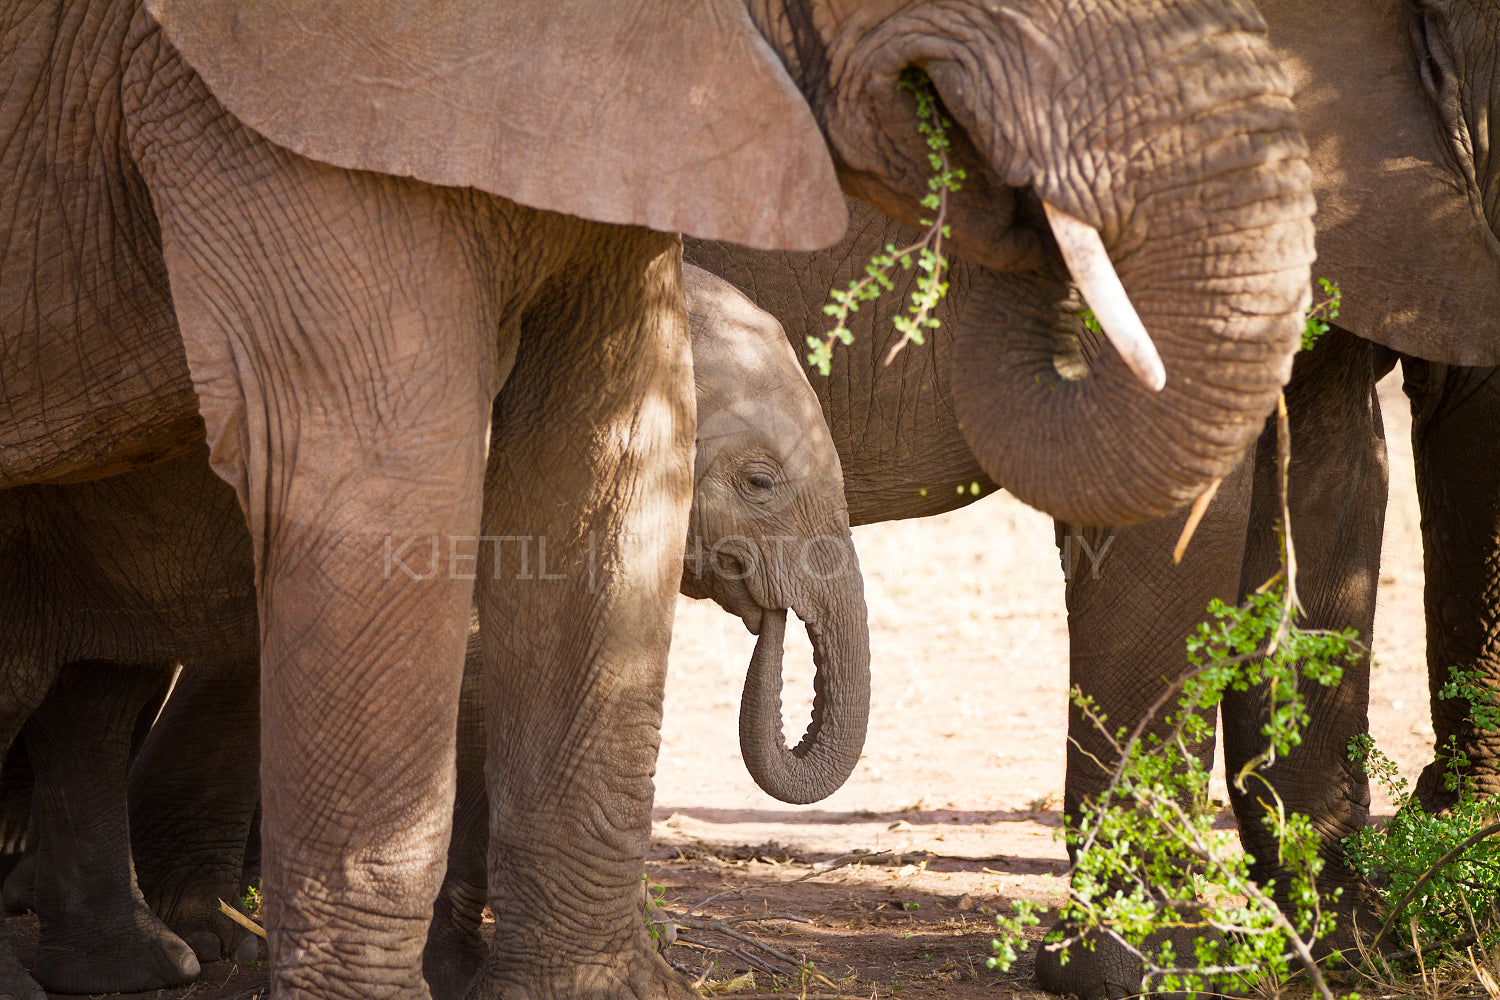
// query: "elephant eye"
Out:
[760,481]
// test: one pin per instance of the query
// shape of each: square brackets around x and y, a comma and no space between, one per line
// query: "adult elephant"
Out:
[336,233]
[1431,71]
[1395,104]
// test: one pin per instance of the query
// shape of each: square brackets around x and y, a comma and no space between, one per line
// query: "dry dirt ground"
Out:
[956,799]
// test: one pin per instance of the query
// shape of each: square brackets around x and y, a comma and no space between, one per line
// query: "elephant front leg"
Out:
[1337,487]
[1456,443]
[359,688]
[1130,610]
[586,507]
[343,334]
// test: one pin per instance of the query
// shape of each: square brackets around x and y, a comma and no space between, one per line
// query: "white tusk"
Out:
[1083,252]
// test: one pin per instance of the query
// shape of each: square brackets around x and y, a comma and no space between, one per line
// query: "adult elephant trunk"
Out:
[1062,421]
[828,751]
[1165,133]
[1201,220]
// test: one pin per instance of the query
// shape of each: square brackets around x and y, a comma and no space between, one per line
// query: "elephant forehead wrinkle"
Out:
[774,427]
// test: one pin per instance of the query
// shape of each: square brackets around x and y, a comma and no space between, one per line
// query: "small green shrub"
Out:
[1149,869]
[1439,875]
[1130,880]
[1320,312]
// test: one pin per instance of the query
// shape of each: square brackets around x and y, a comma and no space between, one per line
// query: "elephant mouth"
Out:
[734,577]
[1069,249]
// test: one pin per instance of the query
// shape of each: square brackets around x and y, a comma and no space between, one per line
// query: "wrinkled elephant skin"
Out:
[193,783]
[344,230]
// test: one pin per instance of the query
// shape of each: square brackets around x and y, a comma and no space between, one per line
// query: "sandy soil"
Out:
[956,797]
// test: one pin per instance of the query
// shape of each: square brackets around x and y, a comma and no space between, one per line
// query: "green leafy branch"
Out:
[1152,875]
[1131,881]
[1320,312]
[926,254]
[1150,872]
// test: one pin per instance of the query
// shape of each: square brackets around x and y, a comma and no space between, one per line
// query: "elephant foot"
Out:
[211,946]
[197,919]
[119,956]
[455,951]
[1358,915]
[15,982]
[1432,791]
[1108,971]
[1104,972]
[1434,795]
[1103,969]
[637,975]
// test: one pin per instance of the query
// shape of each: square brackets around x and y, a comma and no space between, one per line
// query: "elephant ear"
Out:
[678,117]
[1401,222]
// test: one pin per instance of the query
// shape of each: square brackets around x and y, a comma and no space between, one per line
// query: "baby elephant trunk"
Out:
[819,764]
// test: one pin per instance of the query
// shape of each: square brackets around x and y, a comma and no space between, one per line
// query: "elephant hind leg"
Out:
[27,672]
[455,950]
[1130,610]
[575,655]
[97,934]
[1456,444]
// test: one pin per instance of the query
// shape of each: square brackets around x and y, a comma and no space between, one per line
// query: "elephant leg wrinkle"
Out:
[575,664]
[1456,445]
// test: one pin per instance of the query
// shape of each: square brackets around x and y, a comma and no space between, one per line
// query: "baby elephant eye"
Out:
[760,481]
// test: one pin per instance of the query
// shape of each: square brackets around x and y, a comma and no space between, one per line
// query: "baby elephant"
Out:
[153,567]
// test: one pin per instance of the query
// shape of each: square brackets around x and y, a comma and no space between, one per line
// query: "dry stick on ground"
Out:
[722,927]
[821,868]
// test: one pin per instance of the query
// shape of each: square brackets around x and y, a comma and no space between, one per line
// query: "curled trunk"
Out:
[828,751]
[1168,129]
[1090,445]
[1218,278]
